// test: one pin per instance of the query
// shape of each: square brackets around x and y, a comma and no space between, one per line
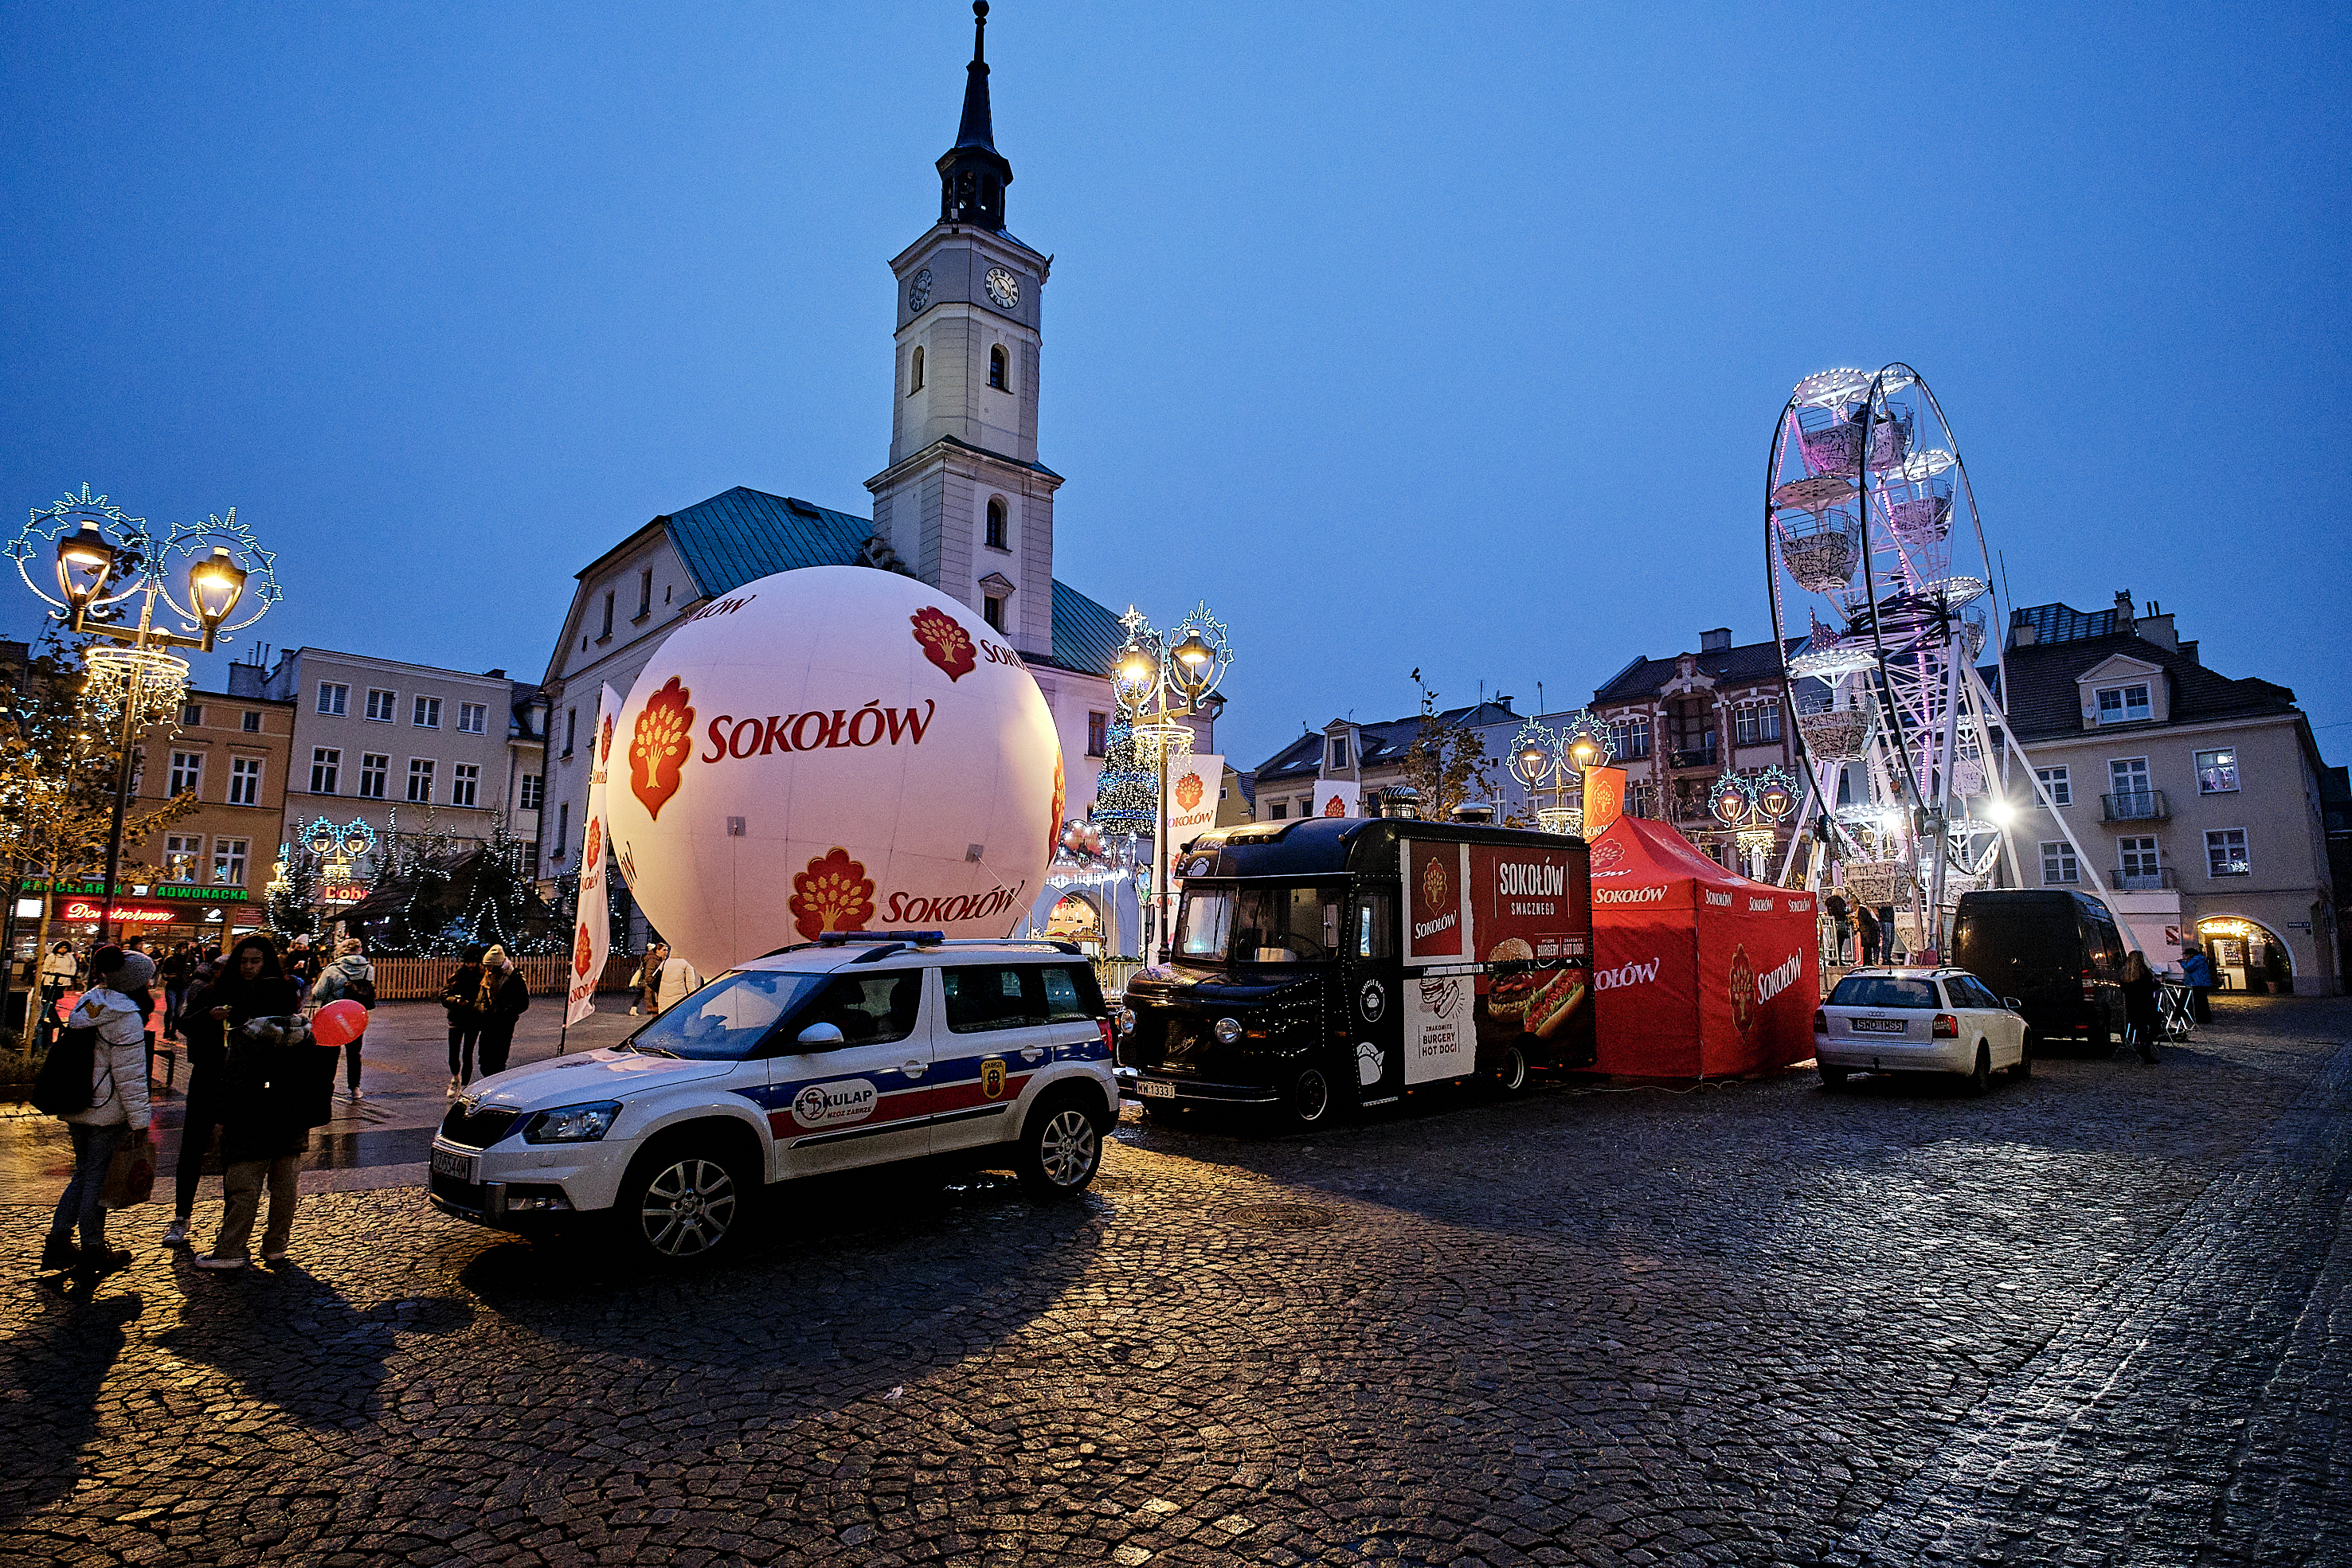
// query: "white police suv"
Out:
[861,1049]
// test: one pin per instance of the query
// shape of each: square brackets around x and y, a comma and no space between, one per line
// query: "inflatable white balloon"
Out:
[836,748]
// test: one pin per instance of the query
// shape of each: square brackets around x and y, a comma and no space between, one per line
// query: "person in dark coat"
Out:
[248,986]
[2140,1019]
[2197,973]
[460,999]
[1867,924]
[281,1084]
[505,998]
[1841,928]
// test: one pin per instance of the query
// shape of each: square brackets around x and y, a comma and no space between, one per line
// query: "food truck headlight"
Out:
[1229,1031]
[1126,1021]
[572,1124]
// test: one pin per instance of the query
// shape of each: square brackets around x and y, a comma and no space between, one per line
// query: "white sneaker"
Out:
[176,1233]
[359,1094]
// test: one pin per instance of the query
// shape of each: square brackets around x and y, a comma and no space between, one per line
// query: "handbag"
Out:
[130,1176]
[63,1085]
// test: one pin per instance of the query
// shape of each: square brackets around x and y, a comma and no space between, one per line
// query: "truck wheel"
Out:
[685,1202]
[1510,1074]
[1309,1101]
[1061,1148]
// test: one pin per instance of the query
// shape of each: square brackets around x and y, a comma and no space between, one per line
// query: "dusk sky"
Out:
[1437,336]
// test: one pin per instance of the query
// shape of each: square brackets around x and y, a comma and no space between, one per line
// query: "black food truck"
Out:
[1330,962]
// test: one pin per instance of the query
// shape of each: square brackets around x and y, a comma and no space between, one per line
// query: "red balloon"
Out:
[339,1023]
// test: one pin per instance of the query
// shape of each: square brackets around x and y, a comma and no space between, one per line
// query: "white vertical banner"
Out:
[591,942]
[1193,784]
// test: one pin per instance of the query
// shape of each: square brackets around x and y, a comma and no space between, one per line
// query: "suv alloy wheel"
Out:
[1978,1080]
[683,1203]
[1061,1149]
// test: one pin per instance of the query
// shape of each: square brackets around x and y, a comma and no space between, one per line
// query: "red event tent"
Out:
[1698,973]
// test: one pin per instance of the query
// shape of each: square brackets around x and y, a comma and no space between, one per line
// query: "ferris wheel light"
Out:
[2001,812]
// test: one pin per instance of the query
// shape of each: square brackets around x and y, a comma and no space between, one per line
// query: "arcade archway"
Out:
[2246,954]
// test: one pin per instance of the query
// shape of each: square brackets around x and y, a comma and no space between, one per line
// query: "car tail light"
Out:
[1820,1021]
[1946,1027]
[1110,1042]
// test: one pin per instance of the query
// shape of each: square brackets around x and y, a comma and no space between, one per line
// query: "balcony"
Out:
[1703,757]
[2141,806]
[2155,881]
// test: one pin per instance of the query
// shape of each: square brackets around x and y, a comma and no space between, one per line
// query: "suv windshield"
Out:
[1881,991]
[1259,924]
[727,1019]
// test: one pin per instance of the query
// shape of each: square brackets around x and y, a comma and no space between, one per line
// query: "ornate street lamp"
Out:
[1150,674]
[103,558]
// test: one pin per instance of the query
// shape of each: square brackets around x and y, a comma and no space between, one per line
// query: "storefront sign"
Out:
[342,893]
[93,910]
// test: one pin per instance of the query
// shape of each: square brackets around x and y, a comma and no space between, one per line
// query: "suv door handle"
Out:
[1033,1052]
[912,1069]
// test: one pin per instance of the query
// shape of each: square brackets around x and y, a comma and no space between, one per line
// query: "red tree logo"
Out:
[1743,990]
[834,895]
[584,953]
[605,743]
[945,643]
[591,857]
[661,742]
[1189,790]
[1334,807]
[1433,883]
[1053,821]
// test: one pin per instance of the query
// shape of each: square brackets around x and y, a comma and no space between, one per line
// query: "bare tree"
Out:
[1447,762]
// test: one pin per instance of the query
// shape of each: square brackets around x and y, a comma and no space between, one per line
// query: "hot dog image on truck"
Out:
[1326,964]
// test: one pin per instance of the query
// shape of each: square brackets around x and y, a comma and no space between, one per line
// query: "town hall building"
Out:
[963,504]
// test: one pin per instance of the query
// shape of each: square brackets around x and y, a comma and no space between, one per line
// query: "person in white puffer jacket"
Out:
[118,1110]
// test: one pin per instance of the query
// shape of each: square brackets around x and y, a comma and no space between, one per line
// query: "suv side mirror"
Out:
[820,1037]
[2013,1004]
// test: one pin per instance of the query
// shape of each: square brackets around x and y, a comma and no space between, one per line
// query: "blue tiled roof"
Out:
[732,538]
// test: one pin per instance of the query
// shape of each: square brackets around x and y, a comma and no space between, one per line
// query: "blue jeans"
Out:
[93,1152]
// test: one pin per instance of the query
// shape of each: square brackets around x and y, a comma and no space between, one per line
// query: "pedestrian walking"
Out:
[281,1085]
[177,969]
[117,1112]
[679,981]
[461,999]
[251,984]
[2197,973]
[504,997]
[351,977]
[2140,1017]
[59,970]
[1866,923]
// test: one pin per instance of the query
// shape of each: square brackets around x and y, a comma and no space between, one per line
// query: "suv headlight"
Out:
[572,1124]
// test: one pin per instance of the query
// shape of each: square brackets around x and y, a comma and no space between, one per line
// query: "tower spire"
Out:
[973,173]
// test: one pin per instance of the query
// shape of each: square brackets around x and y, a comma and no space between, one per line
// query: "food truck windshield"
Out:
[1256,923]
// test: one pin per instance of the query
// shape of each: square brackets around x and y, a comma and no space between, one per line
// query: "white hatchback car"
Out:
[1918,1021]
[860,1049]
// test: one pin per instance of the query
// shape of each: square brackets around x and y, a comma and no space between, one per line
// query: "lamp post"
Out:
[1150,674]
[103,560]
[1751,807]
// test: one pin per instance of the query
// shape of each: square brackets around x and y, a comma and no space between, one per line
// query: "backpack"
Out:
[63,1086]
[362,991]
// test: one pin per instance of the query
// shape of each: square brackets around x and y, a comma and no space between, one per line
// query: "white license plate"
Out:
[1152,1091]
[1878,1025]
[448,1163]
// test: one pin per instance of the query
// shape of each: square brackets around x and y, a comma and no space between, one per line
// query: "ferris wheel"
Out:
[1883,599]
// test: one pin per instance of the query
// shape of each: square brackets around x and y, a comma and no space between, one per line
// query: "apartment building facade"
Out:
[2176,778]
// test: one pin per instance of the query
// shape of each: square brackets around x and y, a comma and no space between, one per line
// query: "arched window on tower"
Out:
[996,369]
[996,522]
[915,377]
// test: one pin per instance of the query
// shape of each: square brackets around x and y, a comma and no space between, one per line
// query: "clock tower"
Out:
[964,500]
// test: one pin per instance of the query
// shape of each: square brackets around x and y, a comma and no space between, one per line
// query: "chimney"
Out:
[2123,607]
[2157,629]
[1715,641]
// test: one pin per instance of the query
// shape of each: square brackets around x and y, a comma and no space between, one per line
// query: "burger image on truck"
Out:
[1330,963]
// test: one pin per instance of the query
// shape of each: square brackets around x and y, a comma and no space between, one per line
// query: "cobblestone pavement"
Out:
[2101,1317]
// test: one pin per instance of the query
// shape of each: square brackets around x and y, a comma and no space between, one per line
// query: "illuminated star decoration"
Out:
[46,526]
[197,540]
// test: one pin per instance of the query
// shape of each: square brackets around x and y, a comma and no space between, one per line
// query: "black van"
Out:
[2059,954]
[1328,963]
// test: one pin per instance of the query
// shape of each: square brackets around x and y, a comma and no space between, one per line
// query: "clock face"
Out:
[1004,287]
[919,291]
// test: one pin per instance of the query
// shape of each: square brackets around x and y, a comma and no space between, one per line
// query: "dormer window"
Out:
[997,366]
[915,374]
[1338,754]
[2124,705]
[996,523]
